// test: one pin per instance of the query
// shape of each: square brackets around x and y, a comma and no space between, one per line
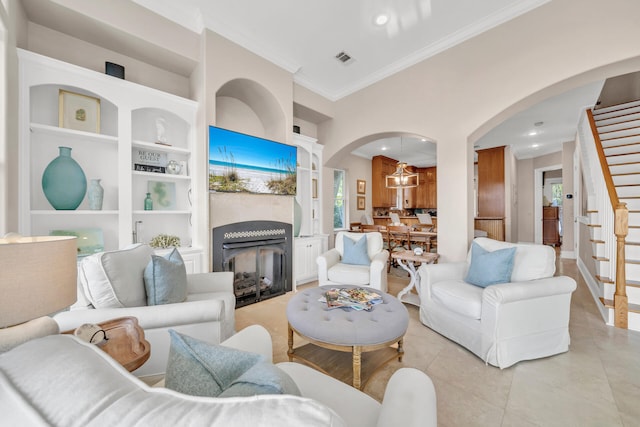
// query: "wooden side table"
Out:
[125,343]
[406,260]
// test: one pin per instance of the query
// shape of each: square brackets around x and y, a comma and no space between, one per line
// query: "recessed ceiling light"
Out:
[384,148]
[423,139]
[381,19]
[535,145]
[532,133]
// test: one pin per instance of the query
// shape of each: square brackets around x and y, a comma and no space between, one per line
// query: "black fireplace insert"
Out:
[259,253]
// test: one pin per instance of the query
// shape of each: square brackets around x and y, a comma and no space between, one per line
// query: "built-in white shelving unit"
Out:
[311,241]
[129,116]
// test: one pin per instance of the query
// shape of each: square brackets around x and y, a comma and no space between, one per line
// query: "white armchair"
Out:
[208,313]
[505,323]
[331,270]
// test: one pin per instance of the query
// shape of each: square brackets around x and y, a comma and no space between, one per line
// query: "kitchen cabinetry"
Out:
[307,250]
[550,225]
[432,188]
[409,198]
[427,190]
[424,196]
[381,196]
[131,118]
[491,179]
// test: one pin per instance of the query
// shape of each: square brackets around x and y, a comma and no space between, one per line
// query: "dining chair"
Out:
[424,222]
[355,226]
[395,218]
[367,228]
[366,219]
[398,239]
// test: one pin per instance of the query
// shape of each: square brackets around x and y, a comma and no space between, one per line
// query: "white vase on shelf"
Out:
[95,194]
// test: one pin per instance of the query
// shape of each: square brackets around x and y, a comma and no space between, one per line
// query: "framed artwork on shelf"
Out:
[163,194]
[314,188]
[78,112]
[361,186]
[361,203]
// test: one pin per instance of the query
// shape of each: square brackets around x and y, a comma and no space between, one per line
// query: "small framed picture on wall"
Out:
[361,203]
[79,112]
[361,186]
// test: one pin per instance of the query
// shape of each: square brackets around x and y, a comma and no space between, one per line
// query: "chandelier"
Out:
[402,178]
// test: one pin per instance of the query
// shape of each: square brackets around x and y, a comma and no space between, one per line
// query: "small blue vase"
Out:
[63,181]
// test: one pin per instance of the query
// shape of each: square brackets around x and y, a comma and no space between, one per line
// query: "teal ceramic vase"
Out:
[63,181]
[297,217]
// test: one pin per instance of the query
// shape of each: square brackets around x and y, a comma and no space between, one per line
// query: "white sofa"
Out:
[208,313]
[78,385]
[505,323]
[331,271]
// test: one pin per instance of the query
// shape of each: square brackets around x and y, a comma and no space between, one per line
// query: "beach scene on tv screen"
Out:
[240,163]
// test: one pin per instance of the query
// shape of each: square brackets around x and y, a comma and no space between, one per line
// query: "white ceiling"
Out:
[304,38]
[559,116]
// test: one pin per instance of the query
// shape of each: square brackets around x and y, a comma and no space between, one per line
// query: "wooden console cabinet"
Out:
[550,225]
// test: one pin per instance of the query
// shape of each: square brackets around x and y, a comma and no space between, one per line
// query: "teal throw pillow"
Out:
[355,252]
[490,268]
[198,368]
[165,279]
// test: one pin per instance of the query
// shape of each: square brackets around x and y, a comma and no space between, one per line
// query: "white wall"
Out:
[57,45]
[453,97]
[510,196]
[568,205]
[356,168]
[525,200]
[457,95]
[13,34]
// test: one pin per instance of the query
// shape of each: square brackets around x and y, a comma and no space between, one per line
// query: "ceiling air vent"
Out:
[344,57]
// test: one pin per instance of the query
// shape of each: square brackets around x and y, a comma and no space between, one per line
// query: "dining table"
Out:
[423,238]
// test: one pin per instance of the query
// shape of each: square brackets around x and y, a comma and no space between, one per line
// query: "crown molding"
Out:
[428,51]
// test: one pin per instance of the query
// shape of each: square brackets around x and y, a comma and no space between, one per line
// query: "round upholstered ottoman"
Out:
[345,329]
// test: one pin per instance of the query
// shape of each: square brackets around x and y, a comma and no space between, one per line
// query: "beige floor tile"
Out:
[463,369]
[457,406]
[596,383]
[539,403]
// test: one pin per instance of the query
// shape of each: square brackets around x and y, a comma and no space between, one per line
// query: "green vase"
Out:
[63,181]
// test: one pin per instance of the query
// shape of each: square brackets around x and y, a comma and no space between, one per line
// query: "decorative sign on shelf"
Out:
[149,161]
[149,168]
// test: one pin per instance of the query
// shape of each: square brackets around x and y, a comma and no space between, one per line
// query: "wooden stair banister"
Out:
[611,188]
[621,230]
[620,302]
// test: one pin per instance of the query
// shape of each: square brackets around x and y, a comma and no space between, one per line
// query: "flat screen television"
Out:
[240,163]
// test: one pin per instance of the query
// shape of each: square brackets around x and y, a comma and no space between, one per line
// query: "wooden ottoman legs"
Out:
[357,363]
[290,339]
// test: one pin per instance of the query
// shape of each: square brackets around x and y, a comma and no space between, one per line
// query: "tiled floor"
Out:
[596,383]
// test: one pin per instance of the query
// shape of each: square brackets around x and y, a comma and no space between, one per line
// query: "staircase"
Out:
[618,128]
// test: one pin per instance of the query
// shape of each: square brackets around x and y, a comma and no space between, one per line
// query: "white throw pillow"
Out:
[116,279]
[531,262]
